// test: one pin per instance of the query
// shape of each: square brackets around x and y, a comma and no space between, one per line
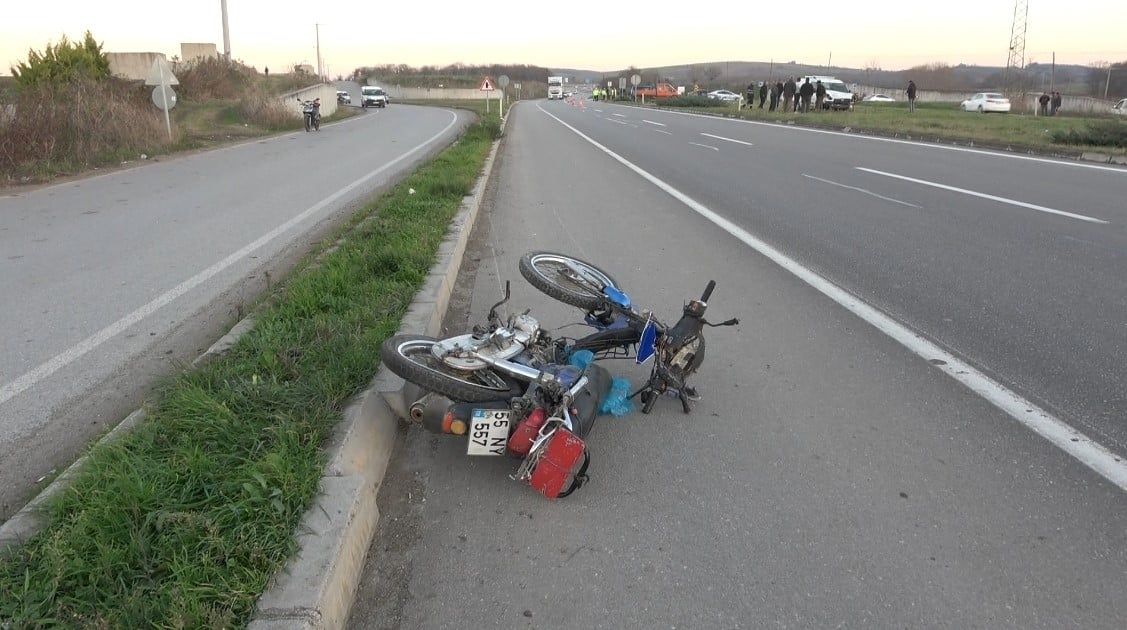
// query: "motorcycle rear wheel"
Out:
[555,276]
[307,117]
[410,357]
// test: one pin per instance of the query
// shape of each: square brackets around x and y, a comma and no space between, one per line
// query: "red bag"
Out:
[563,466]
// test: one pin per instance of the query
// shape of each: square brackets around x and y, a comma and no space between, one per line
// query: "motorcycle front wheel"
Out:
[410,357]
[567,279]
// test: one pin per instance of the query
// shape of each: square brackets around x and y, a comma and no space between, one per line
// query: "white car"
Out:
[879,98]
[344,97]
[724,95]
[985,102]
[1120,107]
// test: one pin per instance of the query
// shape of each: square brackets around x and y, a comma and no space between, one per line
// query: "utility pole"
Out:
[320,75]
[226,32]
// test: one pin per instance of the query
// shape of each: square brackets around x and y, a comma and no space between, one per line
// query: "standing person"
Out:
[789,88]
[807,91]
[820,96]
[1044,102]
[911,95]
[762,93]
[751,94]
[777,94]
[1055,103]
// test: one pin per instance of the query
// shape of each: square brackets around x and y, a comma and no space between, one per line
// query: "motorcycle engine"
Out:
[526,328]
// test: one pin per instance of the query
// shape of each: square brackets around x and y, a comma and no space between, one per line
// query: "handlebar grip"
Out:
[708,291]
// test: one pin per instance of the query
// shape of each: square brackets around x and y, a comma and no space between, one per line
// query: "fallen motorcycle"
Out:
[504,387]
[678,350]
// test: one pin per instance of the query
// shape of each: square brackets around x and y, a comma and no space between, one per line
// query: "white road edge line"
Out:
[61,360]
[1012,202]
[707,146]
[727,139]
[867,192]
[1084,449]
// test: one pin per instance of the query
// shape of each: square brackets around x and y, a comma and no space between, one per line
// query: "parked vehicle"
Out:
[677,350]
[1120,108]
[986,102]
[659,90]
[372,96]
[311,113]
[879,98]
[723,95]
[838,95]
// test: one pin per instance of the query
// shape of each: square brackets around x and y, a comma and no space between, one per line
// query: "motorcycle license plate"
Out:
[489,432]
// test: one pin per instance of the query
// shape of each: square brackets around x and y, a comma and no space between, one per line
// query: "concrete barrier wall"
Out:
[190,52]
[134,66]
[1069,104]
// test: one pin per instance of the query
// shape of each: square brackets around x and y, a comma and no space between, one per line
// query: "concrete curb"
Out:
[318,586]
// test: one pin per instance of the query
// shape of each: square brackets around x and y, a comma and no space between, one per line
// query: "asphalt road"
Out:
[833,475]
[112,282]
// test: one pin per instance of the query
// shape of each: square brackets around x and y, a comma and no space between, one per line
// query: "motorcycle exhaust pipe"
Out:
[418,408]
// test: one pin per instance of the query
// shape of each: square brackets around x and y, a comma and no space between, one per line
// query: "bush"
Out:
[214,79]
[1103,133]
[62,128]
[64,62]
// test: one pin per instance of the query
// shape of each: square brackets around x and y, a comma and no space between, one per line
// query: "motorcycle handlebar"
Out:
[708,291]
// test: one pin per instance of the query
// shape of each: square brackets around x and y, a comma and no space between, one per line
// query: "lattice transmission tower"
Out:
[1015,66]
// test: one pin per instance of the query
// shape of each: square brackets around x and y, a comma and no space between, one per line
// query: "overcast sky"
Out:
[586,34]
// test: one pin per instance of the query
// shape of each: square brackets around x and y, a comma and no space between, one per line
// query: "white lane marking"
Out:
[727,139]
[620,115]
[867,192]
[1012,156]
[1084,449]
[650,122]
[705,146]
[663,131]
[1012,202]
[61,360]
[617,122]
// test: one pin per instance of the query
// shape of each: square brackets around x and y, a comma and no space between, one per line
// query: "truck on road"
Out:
[555,88]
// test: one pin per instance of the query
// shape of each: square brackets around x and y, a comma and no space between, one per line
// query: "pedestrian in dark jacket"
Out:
[789,88]
[911,96]
[776,95]
[1044,102]
[1055,103]
[820,96]
[751,94]
[806,92]
[762,93]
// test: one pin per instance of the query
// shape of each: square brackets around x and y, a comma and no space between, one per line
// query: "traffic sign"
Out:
[486,85]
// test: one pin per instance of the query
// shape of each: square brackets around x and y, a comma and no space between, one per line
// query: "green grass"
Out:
[946,122]
[182,522]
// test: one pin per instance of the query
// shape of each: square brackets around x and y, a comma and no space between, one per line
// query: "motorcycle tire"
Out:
[552,274]
[307,123]
[410,357]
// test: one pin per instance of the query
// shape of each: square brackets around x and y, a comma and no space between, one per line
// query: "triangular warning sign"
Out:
[486,85]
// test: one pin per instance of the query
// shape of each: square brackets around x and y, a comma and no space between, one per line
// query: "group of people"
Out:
[793,97]
[1050,103]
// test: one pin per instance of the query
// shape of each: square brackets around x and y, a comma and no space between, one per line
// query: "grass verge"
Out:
[182,522]
[945,122]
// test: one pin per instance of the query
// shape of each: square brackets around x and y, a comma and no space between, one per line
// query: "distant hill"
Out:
[737,74]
